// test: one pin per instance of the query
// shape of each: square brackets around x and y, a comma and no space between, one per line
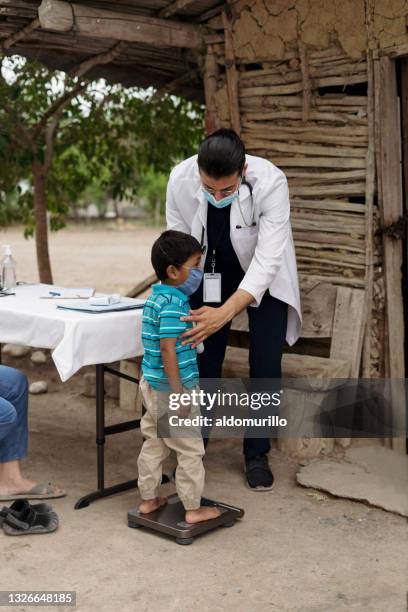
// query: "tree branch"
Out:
[79,71]
[174,84]
[21,130]
[96,60]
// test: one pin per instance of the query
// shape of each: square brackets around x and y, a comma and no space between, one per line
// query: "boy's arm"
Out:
[170,363]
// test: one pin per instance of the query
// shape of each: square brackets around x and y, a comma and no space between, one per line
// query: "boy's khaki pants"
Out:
[190,451]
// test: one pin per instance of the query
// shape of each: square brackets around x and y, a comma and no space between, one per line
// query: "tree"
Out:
[59,132]
[152,188]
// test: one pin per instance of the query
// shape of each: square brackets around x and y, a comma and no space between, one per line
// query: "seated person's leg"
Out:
[8,418]
[14,395]
[14,387]
[14,440]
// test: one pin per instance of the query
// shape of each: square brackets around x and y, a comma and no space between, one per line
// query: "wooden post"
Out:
[391,208]
[370,187]
[210,75]
[369,229]
[232,75]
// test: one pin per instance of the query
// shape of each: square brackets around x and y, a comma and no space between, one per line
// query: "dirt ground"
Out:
[295,550]
[110,257]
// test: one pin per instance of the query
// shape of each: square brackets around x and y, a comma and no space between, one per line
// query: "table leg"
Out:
[103,491]
[101,432]
[100,425]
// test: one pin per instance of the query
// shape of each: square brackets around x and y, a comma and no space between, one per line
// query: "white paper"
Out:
[53,292]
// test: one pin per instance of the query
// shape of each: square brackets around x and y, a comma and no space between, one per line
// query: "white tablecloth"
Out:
[77,338]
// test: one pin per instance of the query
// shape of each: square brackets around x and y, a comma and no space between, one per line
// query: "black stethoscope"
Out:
[253,222]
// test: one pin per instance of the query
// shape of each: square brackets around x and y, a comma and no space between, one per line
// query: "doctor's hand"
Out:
[208,321]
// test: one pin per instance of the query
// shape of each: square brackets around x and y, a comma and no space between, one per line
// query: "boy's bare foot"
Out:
[150,505]
[204,513]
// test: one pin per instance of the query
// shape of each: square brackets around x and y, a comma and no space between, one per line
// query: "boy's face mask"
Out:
[193,281]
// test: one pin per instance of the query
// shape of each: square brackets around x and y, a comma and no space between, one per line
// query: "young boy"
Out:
[169,367]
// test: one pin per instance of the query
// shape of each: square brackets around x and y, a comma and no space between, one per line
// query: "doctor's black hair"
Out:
[221,154]
[172,248]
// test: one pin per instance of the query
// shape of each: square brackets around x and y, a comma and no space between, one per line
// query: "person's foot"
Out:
[20,486]
[258,473]
[150,505]
[204,513]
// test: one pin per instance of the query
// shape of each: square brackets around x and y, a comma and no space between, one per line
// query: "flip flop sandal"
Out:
[30,522]
[20,506]
[36,492]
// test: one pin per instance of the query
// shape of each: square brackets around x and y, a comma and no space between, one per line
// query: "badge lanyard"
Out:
[212,280]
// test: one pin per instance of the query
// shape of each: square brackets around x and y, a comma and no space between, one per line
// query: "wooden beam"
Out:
[175,7]
[216,10]
[11,40]
[61,16]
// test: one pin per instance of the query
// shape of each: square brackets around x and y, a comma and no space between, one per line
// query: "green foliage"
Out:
[152,188]
[110,141]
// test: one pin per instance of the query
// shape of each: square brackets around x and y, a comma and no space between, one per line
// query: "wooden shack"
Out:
[318,87]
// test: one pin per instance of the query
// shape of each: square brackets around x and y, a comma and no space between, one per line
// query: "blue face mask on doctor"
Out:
[227,201]
[193,281]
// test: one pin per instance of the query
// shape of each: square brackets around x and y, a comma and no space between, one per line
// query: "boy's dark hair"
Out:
[172,248]
[221,154]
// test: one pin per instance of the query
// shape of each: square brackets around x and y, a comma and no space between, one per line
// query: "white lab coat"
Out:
[266,251]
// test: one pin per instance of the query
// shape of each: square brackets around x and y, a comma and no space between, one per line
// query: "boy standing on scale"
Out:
[170,367]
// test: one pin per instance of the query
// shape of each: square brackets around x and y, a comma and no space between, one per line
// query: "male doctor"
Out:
[237,206]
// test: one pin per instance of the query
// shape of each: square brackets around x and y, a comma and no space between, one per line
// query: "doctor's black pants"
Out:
[267,331]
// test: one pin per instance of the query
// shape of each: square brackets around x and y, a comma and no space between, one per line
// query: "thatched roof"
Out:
[162,39]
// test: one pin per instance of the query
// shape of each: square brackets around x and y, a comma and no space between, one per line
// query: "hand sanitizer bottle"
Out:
[8,270]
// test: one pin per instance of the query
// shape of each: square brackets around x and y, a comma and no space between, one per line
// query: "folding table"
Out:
[76,339]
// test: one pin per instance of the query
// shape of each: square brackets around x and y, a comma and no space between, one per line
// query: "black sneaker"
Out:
[258,473]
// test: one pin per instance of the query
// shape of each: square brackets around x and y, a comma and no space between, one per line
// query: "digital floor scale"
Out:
[169,519]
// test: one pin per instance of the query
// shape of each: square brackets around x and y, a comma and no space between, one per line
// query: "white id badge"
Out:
[212,287]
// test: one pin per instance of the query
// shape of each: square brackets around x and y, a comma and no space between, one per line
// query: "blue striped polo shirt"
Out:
[161,319]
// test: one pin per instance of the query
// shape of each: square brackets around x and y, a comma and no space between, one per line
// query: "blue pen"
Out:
[54,293]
